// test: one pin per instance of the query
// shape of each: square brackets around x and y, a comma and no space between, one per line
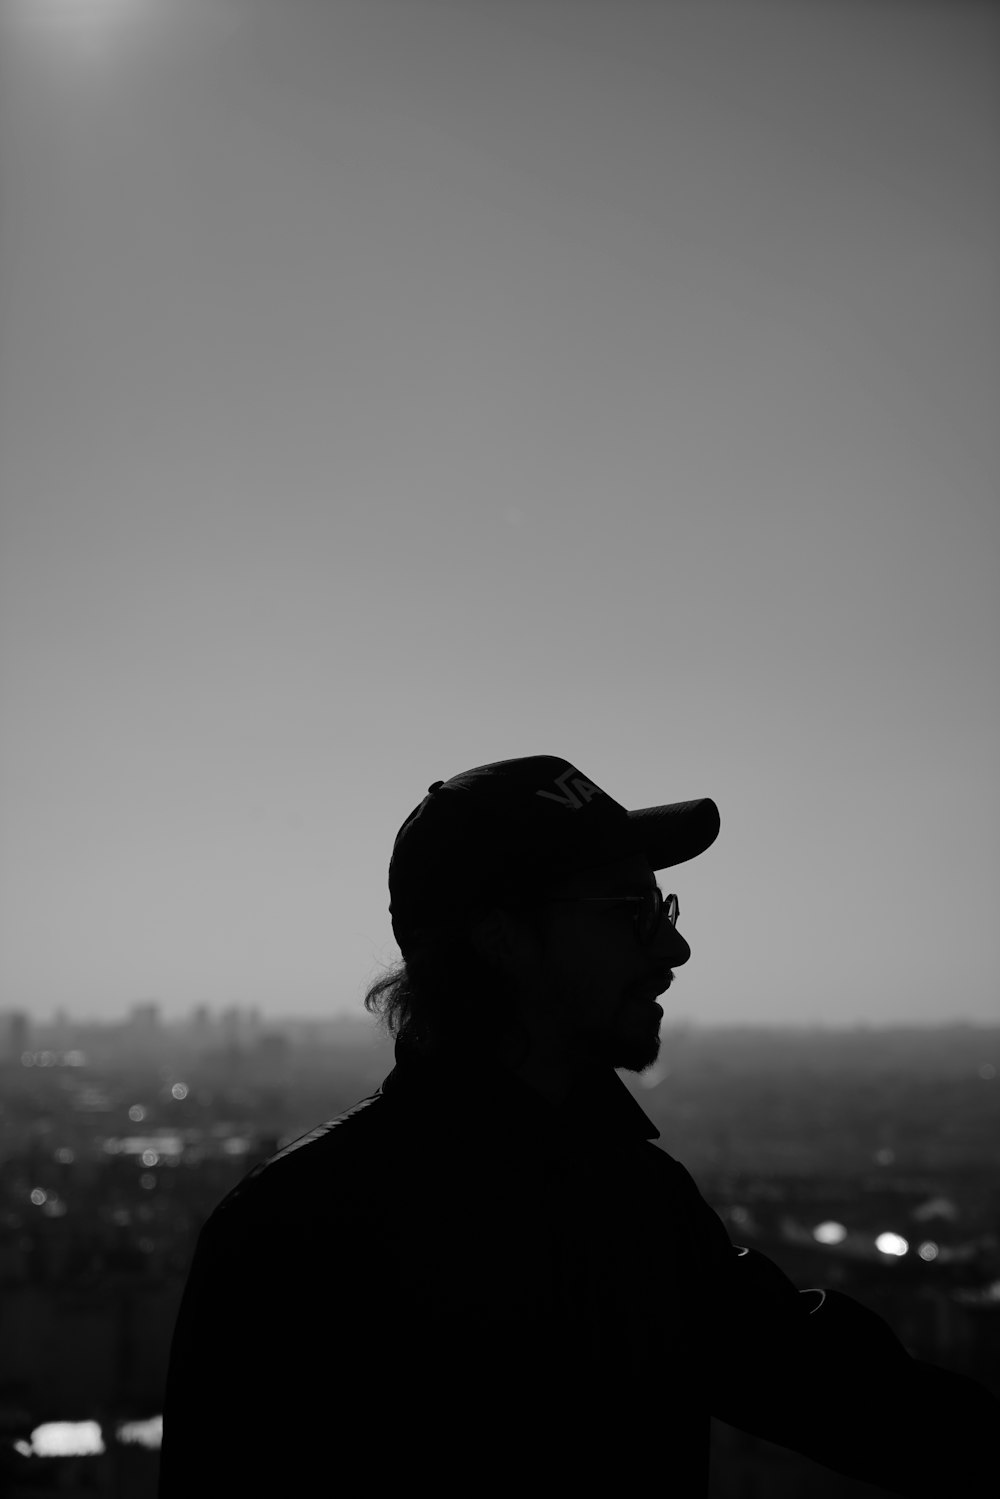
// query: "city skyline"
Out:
[149,1017]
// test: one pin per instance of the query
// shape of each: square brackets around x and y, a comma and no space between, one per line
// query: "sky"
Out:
[389,387]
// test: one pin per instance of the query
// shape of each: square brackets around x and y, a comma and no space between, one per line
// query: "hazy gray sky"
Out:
[387,388]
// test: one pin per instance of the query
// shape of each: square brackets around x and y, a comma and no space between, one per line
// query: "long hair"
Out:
[445,996]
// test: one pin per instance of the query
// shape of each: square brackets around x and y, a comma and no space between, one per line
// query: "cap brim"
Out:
[677,832]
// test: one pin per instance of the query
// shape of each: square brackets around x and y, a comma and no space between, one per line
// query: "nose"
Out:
[671,946]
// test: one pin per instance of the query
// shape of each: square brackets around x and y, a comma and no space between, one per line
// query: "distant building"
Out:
[144,1023]
[272,1051]
[231,1026]
[202,1025]
[18,1036]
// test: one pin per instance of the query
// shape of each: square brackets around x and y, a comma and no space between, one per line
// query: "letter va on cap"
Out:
[576,796]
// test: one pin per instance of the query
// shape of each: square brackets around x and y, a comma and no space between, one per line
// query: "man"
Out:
[485,1277]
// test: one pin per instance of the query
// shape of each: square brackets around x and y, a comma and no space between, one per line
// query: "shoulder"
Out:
[697,1222]
[326,1173]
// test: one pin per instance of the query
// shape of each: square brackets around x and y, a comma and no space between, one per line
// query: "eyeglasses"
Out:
[653,907]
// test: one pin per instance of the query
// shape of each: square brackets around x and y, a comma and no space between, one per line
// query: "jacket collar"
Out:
[492,1098]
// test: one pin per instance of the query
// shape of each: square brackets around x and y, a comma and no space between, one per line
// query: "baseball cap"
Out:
[514,826]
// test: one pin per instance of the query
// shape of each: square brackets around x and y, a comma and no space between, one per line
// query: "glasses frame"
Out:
[667,908]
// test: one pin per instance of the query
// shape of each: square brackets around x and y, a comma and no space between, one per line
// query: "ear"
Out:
[490,936]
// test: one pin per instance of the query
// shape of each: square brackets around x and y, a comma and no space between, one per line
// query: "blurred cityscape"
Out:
[864,1159]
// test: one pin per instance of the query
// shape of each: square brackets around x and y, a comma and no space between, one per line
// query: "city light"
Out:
[142,1433]
[53,1059]
[156,1145]
[67,1439]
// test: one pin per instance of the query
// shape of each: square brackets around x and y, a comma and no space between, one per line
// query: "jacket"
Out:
[454,1283]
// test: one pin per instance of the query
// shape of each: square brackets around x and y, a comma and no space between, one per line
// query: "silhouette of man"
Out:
[486,1277]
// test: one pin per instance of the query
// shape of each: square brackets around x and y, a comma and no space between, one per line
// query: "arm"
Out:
[817,1372]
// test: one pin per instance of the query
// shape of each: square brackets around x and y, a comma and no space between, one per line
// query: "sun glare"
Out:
[79,31]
